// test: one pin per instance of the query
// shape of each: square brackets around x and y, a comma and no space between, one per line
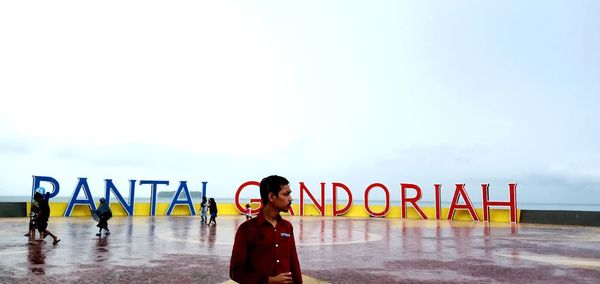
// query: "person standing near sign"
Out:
[104,213]
[42,218]
[264,250]
[35,210]
[212,205]
[248,212]
[203,210]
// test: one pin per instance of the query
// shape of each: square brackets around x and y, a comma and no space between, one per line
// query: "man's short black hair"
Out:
[271,184]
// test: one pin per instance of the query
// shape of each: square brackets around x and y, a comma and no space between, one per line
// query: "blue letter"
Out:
[176,201]
[128,207]
[86,190]
[154,184]
[204,189]
[38,179]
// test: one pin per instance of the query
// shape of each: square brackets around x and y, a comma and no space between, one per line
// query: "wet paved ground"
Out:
[338,250]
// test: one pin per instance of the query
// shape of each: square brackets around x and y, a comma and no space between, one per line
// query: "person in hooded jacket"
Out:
[104,213]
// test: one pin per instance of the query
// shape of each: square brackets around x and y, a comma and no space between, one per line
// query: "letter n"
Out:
[320,207]
[110,186]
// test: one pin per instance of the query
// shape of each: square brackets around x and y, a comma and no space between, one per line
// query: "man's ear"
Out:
[271,196]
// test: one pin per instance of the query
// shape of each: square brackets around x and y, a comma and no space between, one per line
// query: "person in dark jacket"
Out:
[212,205]
[42,218]
[104,213]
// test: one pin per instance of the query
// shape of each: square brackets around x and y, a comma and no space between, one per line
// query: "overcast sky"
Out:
[318,91]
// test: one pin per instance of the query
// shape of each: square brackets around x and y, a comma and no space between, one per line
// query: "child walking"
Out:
[33,213]
[35,210]
[248,212]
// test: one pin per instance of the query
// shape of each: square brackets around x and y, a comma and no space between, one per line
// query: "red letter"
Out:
[412,200]
[438,202]
[321,208]
[512,188]
[241,209]
[238,206]
[460,189]
[387,200]
[337,212]
[259,201]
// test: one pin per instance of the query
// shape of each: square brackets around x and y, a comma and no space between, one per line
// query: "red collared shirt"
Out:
[261,250]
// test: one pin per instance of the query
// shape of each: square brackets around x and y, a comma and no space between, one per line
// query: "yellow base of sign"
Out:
[143,209]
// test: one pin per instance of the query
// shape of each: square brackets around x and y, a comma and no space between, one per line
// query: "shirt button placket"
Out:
[276,245]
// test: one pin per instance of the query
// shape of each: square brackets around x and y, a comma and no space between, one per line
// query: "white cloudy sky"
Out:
[318,91]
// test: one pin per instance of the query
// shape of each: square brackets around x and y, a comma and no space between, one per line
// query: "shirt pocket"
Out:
[284,243]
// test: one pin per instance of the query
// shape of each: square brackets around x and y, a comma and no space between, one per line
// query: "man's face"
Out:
[283,200]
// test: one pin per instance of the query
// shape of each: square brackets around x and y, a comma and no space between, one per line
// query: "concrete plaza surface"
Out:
[336,250]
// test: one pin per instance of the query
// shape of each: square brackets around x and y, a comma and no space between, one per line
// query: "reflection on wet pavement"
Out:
[339,250]
[36,258]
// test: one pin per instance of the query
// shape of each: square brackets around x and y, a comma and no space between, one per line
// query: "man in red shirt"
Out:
[264,250]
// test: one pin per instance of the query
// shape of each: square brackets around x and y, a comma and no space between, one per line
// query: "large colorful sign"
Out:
[82,186]
[459,192]
[405,188]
